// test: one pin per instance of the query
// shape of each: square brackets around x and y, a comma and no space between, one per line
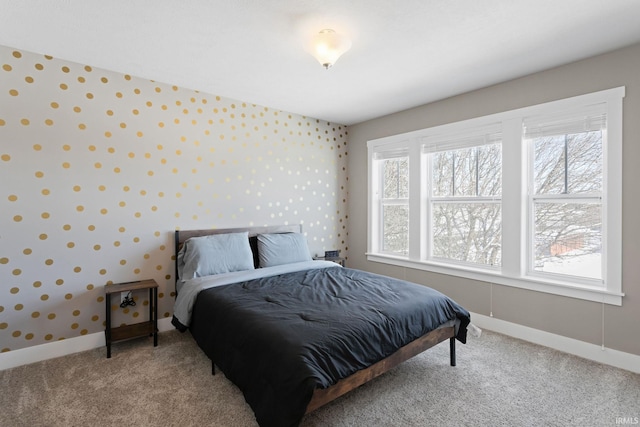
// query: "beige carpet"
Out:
[499,381]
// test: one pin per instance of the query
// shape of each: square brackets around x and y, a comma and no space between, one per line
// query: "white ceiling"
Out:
[405,52]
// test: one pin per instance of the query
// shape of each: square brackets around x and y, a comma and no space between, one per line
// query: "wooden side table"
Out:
[135,330]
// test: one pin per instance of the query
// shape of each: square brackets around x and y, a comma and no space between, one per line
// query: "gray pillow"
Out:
[282,248]
[215,254]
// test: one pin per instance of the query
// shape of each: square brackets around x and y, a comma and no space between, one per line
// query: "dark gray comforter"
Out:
[278,338]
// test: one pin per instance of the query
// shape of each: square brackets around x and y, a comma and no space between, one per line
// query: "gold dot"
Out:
[2,122]
[104,80]
[97,165]
[14,290]
[6,157]
[79,208]
[49,261]
[118,95]
[88,69]
[66,165]
[59,282]
[107,134]
[17,54]
[89,95]
[82,126]
[116,243]
[28,336]
[37,284]
[74,326]
[3,325]
[123,261]
[12,198]
[13,92]
[103,211]
[91,227]
[158,90]
[7,67]
[95,317]
[103,271]
[63,86]
[71,245]
[39,174]
[54,105]
[136,271]
[45,215]
[65,69]
[17,272]
[139,134]
[44,297]
[27,251]
[35,314]
[29,79]
[76,188]
[76,312]
[92,148]
[18,307]
[37,147]
[48,337]
[89,287]
[96,247]
[122,204]
[51,316]
[4,260]
[17,218]
[25,122]
[77,109]
[68,296]
[16,334]
[66,227]
[48,122]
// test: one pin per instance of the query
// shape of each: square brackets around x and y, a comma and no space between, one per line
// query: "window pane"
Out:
[469,232]
[568,239]
[442,167]
[475,171]
[464,179]
[568,164]
[490,170]
[585,162]
[395,173]
[548,166]
[395,233]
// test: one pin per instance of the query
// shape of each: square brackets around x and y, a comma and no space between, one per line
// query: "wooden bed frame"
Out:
[324,396]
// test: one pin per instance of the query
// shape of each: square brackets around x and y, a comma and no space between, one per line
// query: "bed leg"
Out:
[213,368]
[452,351]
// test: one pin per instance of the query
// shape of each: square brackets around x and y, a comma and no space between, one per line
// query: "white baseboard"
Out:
[589,351]
[607,356]
[37,353]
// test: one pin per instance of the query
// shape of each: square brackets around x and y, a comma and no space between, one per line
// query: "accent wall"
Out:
[98,168]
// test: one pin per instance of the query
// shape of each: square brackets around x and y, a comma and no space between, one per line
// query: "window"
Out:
[566,193]
[393,201]
[464,201]
[529,198]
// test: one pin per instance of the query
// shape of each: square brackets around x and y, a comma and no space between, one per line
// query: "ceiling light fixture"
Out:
[327,46]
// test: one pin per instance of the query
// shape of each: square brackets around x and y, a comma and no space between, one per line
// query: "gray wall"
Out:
[578,319]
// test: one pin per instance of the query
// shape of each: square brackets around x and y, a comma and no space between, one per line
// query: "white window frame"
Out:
[514,269]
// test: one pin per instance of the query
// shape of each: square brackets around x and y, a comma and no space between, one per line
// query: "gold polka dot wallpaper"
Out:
[97,170]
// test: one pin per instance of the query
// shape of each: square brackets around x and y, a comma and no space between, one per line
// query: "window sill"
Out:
[532,284]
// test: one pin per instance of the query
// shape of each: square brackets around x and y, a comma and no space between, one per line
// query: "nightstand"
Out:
[135,330]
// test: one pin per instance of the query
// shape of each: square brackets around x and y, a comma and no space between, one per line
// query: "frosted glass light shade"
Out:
[327,46]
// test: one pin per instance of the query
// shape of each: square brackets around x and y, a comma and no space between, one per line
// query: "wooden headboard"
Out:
[182,235]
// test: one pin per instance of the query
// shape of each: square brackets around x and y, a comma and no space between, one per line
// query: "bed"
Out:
[292,333]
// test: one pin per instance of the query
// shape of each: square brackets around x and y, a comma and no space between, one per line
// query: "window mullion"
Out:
[513,198]
[415,201]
